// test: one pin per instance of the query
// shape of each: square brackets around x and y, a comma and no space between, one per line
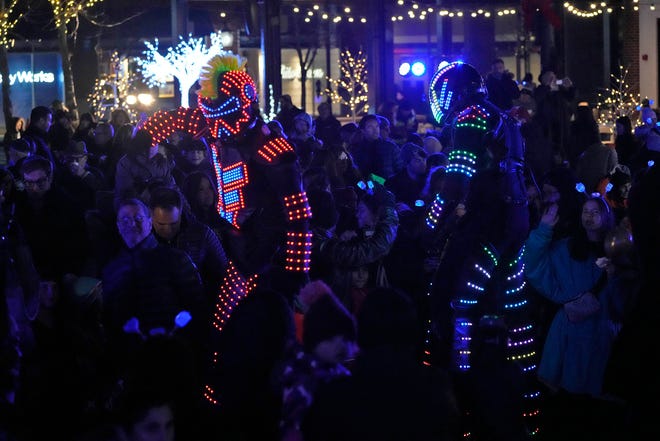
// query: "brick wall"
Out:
[630,46]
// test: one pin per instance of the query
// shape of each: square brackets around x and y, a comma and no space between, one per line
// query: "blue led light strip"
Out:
[435,212]
[462,161]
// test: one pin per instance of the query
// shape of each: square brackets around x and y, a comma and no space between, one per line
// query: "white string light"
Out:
[620,99]
[416,12]
[413,10]
[593,11]
[317,11]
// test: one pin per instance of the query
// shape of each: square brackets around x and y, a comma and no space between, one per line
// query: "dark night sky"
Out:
[152,17]
[138,18]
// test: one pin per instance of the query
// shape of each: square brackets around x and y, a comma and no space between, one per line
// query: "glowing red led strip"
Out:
[163,123]
[233,290]
[274,148]
[298,251]
[297,206]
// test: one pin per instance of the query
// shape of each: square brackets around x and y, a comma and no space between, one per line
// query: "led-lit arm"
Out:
[435,212]
[513,188]
[274,149]
[468,132]
[298,237]
[288,185]
[234,289]
[163,123]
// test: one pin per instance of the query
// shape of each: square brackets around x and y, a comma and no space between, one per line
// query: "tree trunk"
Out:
[7,107]
[303,88]
[69,88]
[353,97]
[305,63]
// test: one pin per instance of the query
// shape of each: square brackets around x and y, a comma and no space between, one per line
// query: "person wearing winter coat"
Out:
[573,273]
[141,168]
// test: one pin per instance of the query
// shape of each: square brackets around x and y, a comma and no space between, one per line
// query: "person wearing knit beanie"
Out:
[307,295]
[328,334]
[328,328]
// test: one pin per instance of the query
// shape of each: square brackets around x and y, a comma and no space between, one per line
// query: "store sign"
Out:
[26,76]
[290,73]
[35,79]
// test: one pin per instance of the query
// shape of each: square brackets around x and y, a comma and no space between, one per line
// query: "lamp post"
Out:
[179,19]
[271,48]
[380,47]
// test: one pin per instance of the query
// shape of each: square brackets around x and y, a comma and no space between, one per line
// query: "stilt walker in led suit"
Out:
[258,179]
[478,327]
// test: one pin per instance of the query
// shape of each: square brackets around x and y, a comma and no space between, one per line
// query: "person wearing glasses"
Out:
[149,284]
[80,179]
[52,221]
[147,280]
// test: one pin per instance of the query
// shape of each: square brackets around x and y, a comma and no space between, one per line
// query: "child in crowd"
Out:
[327,343]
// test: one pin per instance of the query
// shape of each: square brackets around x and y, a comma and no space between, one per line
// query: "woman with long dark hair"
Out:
[570,272]
[199,190]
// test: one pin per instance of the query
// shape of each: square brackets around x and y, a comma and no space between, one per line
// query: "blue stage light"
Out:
[418,68]
[404,69]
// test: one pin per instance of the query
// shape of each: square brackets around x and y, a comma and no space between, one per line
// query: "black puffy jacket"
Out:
[153,283]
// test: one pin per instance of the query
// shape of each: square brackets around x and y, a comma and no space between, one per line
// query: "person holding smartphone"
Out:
[554,109]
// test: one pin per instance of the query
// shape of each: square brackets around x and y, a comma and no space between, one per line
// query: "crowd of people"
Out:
[113,255]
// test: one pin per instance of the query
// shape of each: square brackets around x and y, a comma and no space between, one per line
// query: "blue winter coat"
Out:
[575,354]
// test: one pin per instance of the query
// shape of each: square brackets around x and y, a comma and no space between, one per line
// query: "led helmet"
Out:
[227,95]
[451,87]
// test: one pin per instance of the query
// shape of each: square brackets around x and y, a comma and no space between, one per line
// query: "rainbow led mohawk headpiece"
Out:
[208,79]
[226,95]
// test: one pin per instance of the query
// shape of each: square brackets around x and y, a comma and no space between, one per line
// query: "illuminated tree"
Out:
[64,11]
[618,100]
[111,90]
[272,106]
[351,88]
[8,19]
[184,62]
